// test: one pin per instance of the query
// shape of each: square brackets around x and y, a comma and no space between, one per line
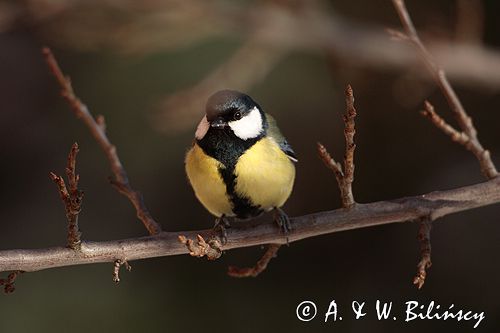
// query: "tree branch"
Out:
[259,267]
[201,248]
[463,119]
[116,269]
[467,137]
[424,237]
[97,129]
[455,135]
[71,197]
[8,283]
[344,177]
[432,205]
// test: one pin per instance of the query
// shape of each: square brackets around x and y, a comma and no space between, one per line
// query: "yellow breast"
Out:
[265,175]
[203,173]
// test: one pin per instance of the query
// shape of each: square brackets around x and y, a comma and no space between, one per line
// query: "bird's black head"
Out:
[229,105]
[235,112]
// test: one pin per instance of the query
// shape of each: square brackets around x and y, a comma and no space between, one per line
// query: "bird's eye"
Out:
[237,115]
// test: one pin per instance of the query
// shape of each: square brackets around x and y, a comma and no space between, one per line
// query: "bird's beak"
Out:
[218,123]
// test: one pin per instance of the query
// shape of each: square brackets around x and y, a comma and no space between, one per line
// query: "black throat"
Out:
[226,147]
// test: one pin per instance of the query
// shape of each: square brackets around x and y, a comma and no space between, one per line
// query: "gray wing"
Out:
[274,132]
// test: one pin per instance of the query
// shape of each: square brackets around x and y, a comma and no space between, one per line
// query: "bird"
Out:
[240,165]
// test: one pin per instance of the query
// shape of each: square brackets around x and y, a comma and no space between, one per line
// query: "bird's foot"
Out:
[283,221]
[220,226]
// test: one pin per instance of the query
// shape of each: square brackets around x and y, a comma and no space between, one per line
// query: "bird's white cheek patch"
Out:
[250,126]
[202,128]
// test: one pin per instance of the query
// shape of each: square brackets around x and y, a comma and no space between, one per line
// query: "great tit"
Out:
[240,165]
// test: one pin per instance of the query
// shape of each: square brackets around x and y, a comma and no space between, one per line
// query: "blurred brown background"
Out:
[148,67]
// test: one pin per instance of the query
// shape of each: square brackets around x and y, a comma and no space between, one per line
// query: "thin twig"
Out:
[350,146]
[330,163]
[259,267]
[201,248]
[8,283]
[434,205]
[455,135]
[465,122]
[116,269]
[460,137]
[344,177]
[97,129]
[424,238]
[71,197]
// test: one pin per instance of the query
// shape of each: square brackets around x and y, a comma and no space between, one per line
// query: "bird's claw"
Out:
[283,221]
[220,226]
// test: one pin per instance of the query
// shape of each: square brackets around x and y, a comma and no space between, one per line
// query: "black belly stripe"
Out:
[226,147]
